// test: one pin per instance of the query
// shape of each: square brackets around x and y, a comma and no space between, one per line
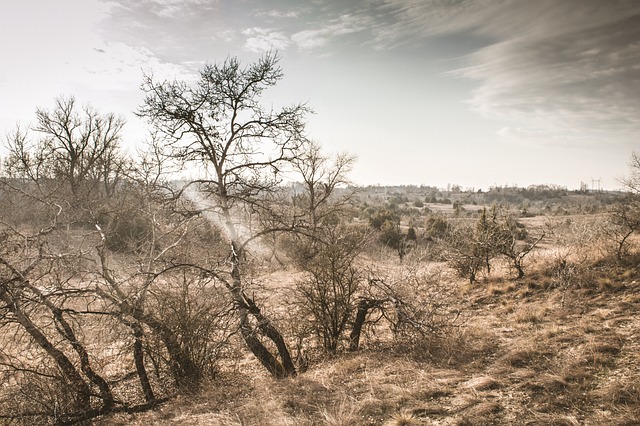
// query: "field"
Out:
[530,352]
[229,272]
[465,309]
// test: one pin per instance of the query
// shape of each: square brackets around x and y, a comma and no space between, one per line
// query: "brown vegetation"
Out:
[235,299]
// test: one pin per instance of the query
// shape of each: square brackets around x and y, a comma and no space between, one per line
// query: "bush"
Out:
[327,295]
[390,235]
[127,231]
[381,217]
[199,315]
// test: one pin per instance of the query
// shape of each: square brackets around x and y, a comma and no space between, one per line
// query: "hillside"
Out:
[529,353]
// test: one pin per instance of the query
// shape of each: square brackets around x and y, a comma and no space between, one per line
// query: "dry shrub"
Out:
[345,412]
[498,288]
[306,396]
[403,418]
[482,383]
[622,391]
[602,352]
[464,345]
[196,310]
[575,371]
[530,314]
[421,309]
[528,354]
[543,419]
[39,398]
[545,384]
[482,413]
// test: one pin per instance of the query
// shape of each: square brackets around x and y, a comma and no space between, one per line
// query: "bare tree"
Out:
[219,125]
[76,160]
[321,177]
[625,216]
[632,182]
[79,149]
[466,250]
[513,242]
[329,293]
[50,286]
[36,296]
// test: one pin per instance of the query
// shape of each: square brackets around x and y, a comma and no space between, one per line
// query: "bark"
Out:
[518,267]
[67,332]
[245,307]
[185,372]
[364,306]
[268,329]
[80,387]
[138,357]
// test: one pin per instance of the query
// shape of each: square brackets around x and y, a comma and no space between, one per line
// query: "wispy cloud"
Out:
[572,65]
[264,39]
[277,13]
[176,8]
[321,37]
[585,78]
[411,21]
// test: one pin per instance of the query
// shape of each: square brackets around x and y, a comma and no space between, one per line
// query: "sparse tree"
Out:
[321,177]
[625,215]
[625,218]
[219,126]
[328,294]
[462,252]
[513,242]
[79,149]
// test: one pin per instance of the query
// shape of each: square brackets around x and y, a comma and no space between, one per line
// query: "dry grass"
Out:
[531,353]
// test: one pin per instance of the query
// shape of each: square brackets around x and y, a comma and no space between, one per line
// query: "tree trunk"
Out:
[245,306]
[80,387]
[185,372]
[138,357]
[364,305]
[268,329]
[518,267]
[67,332]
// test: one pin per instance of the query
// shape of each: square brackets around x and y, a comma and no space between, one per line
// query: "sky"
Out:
[476,93]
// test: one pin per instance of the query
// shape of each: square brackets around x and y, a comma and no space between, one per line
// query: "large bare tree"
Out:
[218,128]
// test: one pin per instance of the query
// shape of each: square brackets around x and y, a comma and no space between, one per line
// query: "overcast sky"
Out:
[469,92]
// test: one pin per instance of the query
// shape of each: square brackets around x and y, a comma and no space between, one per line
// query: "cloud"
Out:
[262,39]
[277,14]
[55,49]
[176,8]
[411,21]
[174,30]
[573,65]
[321,37]
[586,79]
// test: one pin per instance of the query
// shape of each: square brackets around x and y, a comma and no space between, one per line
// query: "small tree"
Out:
[436,226]
[380,217]
[462,252]
[390,234]
[513,242]
[625,215]
[321,177]
[328,293]
[625,218]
